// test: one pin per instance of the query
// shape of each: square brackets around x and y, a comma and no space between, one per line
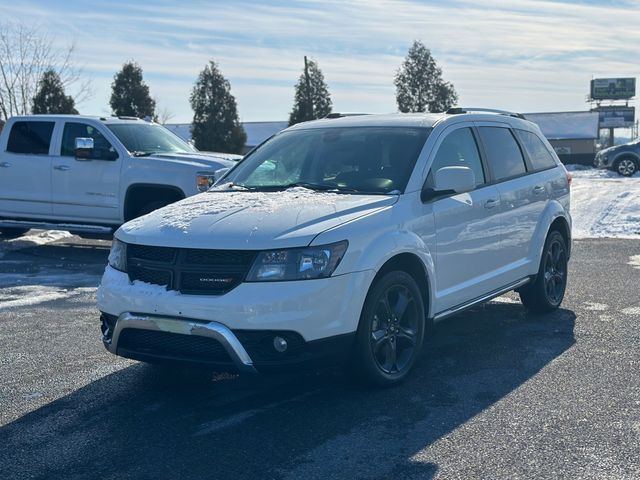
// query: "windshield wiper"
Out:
[137,153]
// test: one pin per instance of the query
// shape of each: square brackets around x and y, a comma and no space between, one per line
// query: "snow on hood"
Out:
[227,219]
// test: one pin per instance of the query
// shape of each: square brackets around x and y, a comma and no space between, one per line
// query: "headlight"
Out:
[204,181]
[118,255]
[297,263]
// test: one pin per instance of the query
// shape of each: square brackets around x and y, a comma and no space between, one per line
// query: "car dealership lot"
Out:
[497,393]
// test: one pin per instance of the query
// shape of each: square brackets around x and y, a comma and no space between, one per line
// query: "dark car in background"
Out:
[624,159]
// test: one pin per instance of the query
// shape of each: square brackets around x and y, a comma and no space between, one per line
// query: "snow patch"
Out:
[115,279]
[29,295]
[634,261]
[604,204]
[219,201]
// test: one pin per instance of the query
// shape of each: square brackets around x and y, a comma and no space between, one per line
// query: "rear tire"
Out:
[150,207]
[9,233]
[391,330]
[545,294]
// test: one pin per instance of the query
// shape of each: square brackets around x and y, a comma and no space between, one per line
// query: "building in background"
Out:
[257,132]
[573,135]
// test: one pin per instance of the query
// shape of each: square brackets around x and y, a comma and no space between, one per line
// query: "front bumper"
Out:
[316,317]
[601,161]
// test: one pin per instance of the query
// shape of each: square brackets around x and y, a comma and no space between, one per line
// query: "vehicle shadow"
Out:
[135,423]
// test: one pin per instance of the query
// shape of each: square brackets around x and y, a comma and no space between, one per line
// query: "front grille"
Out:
[189,270]
[164,344]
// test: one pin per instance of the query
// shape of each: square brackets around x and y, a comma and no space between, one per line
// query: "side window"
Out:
[459,149]
[539,155]
[30,137]
[503,151]
[102,149]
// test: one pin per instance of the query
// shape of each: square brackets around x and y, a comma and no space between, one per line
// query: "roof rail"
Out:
[126,117]
[460,110]
[345,114]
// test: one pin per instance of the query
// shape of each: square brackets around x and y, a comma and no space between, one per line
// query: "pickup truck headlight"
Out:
[204,181]
[297,263]
[118,255]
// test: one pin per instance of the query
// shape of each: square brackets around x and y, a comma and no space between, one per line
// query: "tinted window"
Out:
[538,153]
[102,149]
[351,159]
[504,153]
[30,137]
[459,149]
[143,139]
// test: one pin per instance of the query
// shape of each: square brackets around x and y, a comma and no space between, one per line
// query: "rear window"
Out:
[30,137]
[540,157]
[504,154]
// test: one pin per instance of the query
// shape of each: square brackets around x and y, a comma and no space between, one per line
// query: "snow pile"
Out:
[604,204]
[221,201]
[32,239]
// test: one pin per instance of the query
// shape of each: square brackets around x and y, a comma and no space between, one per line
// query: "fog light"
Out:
[280,344]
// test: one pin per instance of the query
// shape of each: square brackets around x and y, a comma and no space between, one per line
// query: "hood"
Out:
[204,160]
[223,219]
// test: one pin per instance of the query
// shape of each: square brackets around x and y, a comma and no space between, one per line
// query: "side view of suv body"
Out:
[130,168]
[343,236]
[624,159]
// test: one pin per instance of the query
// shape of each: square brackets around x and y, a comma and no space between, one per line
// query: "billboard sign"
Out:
[616,117]
[613,88]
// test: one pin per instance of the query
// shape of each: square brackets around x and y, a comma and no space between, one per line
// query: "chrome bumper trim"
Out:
[185,326]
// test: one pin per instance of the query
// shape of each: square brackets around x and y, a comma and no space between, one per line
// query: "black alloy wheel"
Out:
[546,292]
[391,329]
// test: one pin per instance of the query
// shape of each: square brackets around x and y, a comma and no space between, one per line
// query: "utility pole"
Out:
[308,90]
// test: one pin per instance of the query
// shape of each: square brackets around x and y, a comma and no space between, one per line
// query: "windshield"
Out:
[143,139]
[352,159]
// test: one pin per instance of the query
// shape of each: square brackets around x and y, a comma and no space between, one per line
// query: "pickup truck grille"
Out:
[188,270]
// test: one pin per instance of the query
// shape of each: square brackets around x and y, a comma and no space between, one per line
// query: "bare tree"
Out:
[25,54]
[163,115]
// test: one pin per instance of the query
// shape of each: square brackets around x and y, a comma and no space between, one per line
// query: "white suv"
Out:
[343,238]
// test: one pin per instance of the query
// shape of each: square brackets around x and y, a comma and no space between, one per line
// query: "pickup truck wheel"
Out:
[626,167]
[12,232]
[391,330]
[150,207]
[545,294]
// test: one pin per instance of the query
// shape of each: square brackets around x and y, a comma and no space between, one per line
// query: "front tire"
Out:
[150,207]
[626,167]
[391,330]
[545,294]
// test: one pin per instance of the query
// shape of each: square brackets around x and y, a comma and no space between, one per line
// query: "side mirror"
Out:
[450,180]
[84,148]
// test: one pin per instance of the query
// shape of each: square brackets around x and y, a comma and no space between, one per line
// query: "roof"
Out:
[377,120]
[103,119]
[566,125]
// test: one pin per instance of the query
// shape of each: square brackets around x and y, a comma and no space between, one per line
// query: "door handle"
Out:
[5,164]
[64,168]
[538,189]
[492,202]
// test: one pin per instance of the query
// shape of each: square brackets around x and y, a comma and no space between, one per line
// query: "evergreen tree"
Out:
[312,98]
[130,95]
[215,125]
[50,97]
[419,83]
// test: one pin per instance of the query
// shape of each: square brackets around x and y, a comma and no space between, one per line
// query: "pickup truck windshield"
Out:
[147,139]
[373,160]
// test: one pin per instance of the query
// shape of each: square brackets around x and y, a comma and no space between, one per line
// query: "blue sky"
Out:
[524,55]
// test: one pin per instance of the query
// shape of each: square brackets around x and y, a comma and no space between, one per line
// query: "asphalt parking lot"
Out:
[497,393]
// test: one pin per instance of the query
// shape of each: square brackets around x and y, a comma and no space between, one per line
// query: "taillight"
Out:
[569,179]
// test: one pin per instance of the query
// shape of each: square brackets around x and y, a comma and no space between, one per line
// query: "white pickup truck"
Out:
[89,175]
